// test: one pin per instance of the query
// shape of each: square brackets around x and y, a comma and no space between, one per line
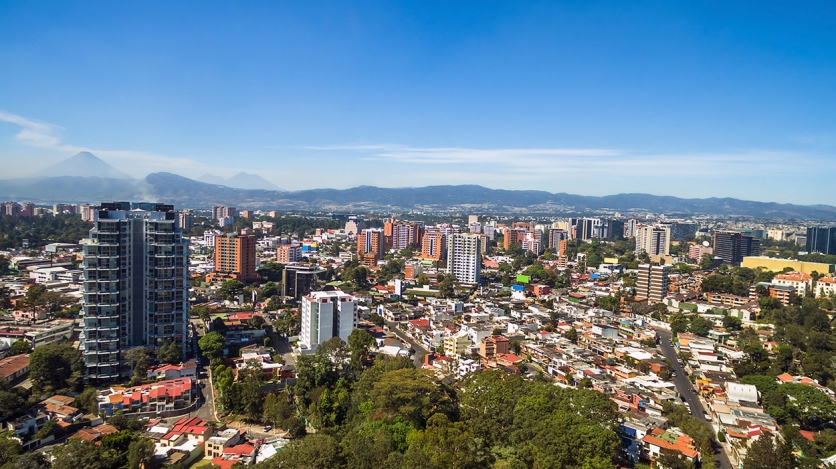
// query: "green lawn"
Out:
[201,463]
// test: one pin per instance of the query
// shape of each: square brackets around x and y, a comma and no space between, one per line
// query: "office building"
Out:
[464,257]
[652,282]
[733,246]
[614,230]
[299,280]
[186,219]
[326,315]
[287,253]
[433,246]
[234,258]
[821,240]
[135,287]
[471,219]
[354,226]
[588,228]
[248,214]
[653,240]
[371,246]
[490,230]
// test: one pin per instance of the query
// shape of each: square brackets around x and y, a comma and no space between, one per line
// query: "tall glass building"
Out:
[135,286]
[821,240]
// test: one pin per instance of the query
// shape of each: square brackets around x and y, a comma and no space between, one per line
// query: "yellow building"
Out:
[777,265]
[456,344]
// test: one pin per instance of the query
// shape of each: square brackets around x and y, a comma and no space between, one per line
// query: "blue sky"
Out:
[693,99]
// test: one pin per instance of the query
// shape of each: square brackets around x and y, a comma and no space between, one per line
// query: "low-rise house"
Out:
[657,440]
[216,444]
[243,454]
[14,368]
[167,372]
[95,434]
[156,397]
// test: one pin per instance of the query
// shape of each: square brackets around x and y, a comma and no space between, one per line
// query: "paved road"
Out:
[418,358]
[686,389]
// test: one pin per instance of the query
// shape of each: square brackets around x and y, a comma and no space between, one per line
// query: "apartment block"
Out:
[652,282]
[433,245]
[371,246]
[135,286]
[653,240]
[326,315]
[464,257]
[287,253]
[235,258]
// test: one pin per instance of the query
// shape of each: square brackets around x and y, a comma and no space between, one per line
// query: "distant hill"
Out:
[185,192]
[241,180]
[84,164]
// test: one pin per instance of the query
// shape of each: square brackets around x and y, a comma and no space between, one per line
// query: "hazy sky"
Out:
[695,99]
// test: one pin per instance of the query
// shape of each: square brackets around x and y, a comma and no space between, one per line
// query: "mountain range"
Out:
[85,178]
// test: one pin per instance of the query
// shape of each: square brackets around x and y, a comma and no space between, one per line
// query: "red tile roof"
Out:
[11,365]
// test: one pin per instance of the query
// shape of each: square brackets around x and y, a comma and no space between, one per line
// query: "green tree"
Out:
[256,322]
[170,352]
[700,326]
[571,335]
[201,311]
[138,358]
[360,344]
[271,272]
[55,367]
[230,290]
[278,409]
[19,347]
[377,319]
[77,453]
[706,261]
[141,453]
[317,451]
[765,384]
[88,400]
[447,286]
[212,345]
[731,323]
[766,453]
[422,279]
[9,448]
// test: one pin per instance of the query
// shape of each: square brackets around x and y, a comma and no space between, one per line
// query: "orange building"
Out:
[432,245]
[248,214]
[514,235]
[561,247]
[371,245]
[491,347]
[287,253]
[399,234]
[234,258]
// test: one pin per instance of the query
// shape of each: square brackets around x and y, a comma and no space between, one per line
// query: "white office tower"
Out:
[464,257]
[135,286]
[654,240]
[327,314]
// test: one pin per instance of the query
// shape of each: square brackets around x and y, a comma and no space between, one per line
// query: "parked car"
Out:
[705,414]
[673,374]
[268,428]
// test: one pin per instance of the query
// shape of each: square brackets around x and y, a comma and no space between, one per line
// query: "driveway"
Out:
[417,358]
[686,390]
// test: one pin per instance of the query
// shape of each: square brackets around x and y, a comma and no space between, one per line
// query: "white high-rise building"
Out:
[464,257]
[327,314]
[654,240]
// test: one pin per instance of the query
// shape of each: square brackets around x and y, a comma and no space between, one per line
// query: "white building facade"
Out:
[464,257]
[326,315]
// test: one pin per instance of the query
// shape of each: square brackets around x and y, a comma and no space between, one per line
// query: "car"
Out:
[673,374]
[707,417]
[693,390]
[268,428]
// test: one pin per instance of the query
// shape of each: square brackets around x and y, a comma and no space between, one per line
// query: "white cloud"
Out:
[39,134]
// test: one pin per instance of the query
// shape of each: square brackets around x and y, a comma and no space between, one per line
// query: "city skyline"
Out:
[696,101]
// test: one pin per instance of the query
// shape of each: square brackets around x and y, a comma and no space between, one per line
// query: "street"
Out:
[417,358]
[686,390]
